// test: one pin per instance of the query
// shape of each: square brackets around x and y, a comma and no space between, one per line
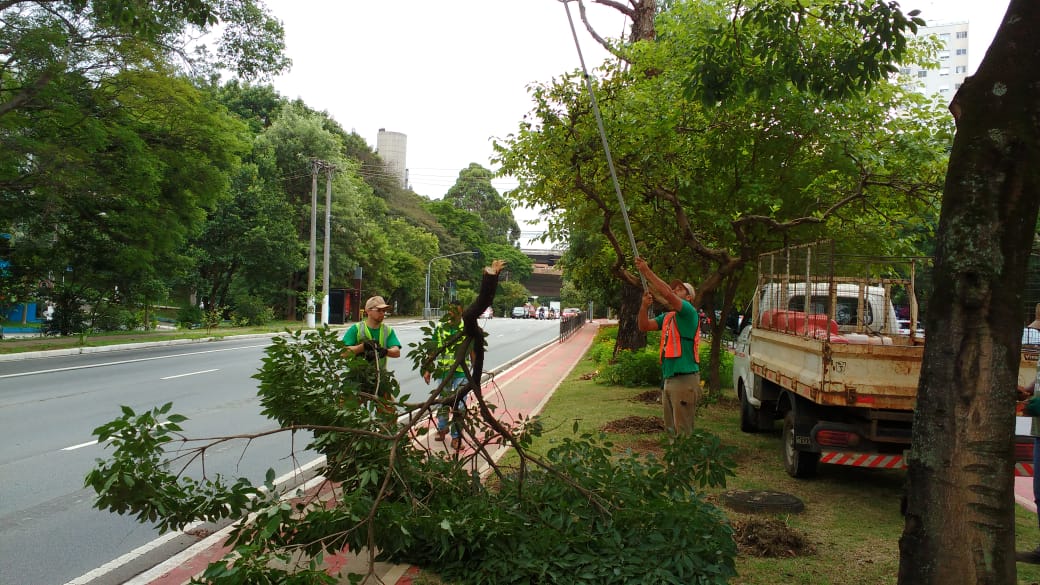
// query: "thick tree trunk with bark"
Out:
[643,14]
[960,507]
[629,336]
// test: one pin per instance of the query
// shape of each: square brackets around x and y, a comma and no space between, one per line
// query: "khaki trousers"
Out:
[680,396]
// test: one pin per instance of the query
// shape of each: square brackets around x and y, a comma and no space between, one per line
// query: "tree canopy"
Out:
[709,187]
[474,192]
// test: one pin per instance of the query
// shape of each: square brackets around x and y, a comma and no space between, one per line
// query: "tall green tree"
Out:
[474,192]
[707,188]
[103,138]
[249,241]
[153,159]
[44,42]
[473,235]
[296,140]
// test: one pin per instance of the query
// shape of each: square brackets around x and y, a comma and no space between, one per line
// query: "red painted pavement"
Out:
[1024,493]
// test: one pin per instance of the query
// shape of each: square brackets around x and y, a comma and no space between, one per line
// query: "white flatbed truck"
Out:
[842,380]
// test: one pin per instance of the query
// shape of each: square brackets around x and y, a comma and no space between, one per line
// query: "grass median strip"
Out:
[848,532]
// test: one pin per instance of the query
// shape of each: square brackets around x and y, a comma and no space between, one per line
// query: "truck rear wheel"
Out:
[797,463]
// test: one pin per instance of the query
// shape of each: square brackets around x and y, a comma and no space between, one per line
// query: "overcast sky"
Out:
[452,75]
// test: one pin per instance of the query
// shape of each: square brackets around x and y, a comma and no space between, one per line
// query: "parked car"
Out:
[904,328]
[569,312]
[489,313]
[519,313]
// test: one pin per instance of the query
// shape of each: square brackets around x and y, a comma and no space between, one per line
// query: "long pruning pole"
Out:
[603,137]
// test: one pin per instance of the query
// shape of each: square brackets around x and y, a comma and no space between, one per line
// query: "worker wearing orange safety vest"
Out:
[679,355]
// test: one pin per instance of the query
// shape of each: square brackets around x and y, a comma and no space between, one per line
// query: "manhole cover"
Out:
[761,501]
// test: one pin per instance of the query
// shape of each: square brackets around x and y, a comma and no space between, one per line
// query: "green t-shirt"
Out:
[383,333]
[686,319]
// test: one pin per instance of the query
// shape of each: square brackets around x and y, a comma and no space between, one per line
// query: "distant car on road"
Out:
[569,312]
[519,313]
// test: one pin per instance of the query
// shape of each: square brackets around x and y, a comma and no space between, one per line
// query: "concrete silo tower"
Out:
[392,148]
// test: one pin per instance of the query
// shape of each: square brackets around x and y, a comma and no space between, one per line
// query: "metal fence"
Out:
[570,324]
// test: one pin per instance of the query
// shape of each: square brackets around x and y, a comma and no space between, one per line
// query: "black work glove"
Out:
[381,352]
[371,349]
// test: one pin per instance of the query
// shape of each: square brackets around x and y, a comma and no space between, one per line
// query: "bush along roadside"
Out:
[641,368]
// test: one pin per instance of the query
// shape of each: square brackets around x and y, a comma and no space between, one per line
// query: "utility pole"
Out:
[314,242]
[329,169]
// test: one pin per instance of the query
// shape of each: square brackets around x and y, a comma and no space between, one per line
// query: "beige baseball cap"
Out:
[376,302]
[689,287]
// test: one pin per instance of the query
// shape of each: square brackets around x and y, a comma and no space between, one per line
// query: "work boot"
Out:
[456,443]
[441,434]
[1032,556]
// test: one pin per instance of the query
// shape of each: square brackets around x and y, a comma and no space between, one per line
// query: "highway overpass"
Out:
[546,279]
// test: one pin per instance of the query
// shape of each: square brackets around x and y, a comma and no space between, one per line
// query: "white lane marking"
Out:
[120,362]
[80,446]
[95,442]
[189,374]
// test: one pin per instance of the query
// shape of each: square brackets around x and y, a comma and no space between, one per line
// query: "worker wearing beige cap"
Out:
[679,355]
[380,338]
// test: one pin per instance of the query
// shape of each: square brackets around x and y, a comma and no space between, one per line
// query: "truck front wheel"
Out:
[797,463]
[748,416]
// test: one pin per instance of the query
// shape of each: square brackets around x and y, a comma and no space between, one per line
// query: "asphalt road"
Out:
[49,407]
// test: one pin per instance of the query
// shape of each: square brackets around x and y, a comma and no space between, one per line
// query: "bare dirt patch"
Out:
[770,537]
[648,397]
[646,447]
[635,425]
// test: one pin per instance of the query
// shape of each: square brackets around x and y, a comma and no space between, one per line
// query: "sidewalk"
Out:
[522,390]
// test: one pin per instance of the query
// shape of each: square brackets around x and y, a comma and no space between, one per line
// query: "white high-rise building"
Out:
[392,148]
[953,60]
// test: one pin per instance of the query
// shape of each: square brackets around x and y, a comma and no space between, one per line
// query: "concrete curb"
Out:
[25,355]
[28,355]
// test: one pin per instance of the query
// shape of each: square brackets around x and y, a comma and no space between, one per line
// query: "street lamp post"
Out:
[426,309]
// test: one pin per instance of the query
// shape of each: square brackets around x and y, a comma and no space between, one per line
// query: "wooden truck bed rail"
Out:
[840,374]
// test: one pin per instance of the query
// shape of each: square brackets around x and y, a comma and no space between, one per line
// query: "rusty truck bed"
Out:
[840,374]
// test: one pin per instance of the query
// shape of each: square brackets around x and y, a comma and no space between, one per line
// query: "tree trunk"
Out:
[629,336]
[643,21]
[960,507]
[717,330]
[709,374]
[291,298]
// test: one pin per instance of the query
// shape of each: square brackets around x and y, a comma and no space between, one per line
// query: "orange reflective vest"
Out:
[671,341]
